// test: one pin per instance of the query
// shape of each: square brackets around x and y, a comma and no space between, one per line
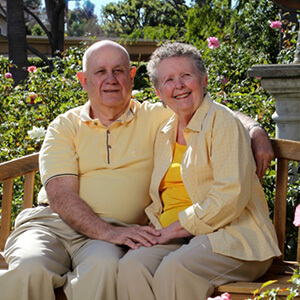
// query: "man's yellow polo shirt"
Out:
[113,164]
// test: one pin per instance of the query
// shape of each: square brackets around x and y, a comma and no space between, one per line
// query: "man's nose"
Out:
[110,77]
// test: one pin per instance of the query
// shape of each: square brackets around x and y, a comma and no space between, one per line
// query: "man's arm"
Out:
[260,143]
[64,199]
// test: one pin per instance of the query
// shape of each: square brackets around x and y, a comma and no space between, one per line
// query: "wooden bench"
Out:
[26,166]
[285,151]
[281,270]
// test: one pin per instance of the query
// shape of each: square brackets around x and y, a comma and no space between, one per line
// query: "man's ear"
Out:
[132,73]
[205,81]
[82,78]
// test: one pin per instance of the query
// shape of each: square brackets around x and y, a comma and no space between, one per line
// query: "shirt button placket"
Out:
[108,146]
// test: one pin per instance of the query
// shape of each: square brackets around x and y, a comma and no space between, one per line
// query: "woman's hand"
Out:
[173,231]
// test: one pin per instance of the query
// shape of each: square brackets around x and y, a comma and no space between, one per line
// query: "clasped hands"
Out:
[147,236]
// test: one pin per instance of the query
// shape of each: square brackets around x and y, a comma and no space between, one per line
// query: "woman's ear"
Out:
[158,94]
[161,99]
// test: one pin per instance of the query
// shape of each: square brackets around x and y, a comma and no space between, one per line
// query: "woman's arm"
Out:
[173,231]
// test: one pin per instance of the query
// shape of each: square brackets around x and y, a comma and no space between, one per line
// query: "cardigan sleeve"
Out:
[231,164]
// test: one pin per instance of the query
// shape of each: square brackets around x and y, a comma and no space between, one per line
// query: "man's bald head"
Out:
[97,46]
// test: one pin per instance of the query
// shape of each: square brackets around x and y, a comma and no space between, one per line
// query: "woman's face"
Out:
[180,85]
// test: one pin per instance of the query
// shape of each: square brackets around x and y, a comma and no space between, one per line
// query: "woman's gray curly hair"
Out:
[169,50]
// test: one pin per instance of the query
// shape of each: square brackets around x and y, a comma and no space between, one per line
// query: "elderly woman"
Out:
[207,199]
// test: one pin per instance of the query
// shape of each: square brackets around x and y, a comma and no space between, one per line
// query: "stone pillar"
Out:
[283,83]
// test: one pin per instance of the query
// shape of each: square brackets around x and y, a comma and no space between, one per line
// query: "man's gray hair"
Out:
[169,50]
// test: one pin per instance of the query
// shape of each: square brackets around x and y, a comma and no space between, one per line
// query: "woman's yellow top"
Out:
[172,191]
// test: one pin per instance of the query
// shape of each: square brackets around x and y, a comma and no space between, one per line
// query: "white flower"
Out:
[37,132]
[134,92]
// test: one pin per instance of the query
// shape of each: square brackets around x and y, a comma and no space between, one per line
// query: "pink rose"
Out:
[275,24]
[31,69]
[32,95]
[213,42]
[225,296]
[224,79]
[297,216]
[8,75]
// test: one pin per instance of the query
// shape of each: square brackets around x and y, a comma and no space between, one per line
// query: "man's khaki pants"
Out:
[181,271]
[44,253]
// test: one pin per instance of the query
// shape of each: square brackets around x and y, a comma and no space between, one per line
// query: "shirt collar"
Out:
[125,118]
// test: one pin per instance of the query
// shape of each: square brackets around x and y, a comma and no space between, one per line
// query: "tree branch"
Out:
[4,11]
[38,20]
[41,55]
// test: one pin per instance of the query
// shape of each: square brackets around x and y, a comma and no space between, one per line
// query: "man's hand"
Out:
[262,150]
[261,145]
[133,237]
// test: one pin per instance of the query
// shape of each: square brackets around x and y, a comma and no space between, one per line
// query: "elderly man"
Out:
[95,163]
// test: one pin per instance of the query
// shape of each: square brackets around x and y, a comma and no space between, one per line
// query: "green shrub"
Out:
[35,103]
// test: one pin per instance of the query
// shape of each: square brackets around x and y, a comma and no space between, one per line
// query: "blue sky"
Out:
[98,4]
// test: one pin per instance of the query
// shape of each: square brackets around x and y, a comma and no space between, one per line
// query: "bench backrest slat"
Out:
[6,210]
[285,151]
[28,166]
[28,189]
[279,205]
[19,166]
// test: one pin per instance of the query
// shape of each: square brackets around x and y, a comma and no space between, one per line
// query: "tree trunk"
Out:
[16,33]
[56,14]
